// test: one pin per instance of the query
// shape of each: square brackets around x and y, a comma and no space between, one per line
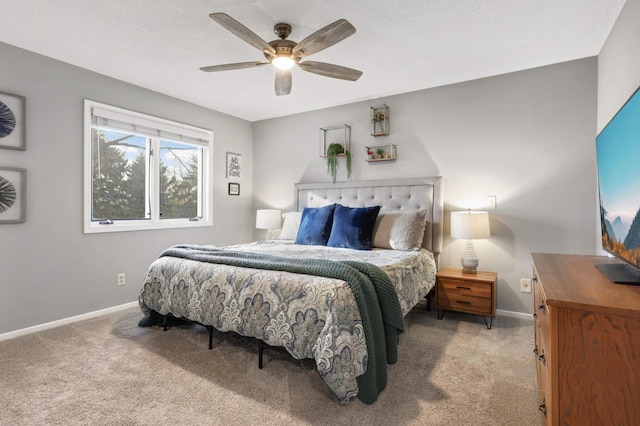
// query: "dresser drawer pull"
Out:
[535,350]
[463,302]
[461,287]
[543,408]
[541,308]
[535,315]
[534,280]
[542,359]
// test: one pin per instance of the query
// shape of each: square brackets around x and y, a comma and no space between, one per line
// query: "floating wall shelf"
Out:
[335,135]
[380,153]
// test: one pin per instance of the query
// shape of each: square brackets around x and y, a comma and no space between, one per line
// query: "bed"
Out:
[336,303]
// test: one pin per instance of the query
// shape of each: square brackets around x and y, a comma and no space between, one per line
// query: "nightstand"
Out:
[469,293]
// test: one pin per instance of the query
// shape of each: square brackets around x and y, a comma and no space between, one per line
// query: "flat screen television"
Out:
[618,159]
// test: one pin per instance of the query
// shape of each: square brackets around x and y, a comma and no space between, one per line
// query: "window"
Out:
[143,172]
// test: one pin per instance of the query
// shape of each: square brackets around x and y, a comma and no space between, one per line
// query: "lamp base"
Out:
[469,270]
[469,259]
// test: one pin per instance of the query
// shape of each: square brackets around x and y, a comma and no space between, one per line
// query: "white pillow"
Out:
[290,226]
[400,230]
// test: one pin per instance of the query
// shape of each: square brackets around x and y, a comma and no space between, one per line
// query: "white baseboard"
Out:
[521,315]
[58,323]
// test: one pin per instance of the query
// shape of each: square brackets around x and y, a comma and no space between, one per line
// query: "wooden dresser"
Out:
[587,343]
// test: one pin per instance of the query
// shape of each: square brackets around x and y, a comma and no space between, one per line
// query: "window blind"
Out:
[144,125]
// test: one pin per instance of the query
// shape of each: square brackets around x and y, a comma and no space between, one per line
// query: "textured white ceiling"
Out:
[400,46]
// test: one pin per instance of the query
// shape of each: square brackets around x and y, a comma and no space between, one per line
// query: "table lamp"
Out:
[470,226]
[268,219]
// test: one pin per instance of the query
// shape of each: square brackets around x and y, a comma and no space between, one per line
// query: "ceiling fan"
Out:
[284,54]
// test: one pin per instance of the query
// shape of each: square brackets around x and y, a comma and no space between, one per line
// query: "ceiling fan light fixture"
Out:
[283,62]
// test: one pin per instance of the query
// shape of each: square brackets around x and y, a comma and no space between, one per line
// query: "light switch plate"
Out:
[490,202]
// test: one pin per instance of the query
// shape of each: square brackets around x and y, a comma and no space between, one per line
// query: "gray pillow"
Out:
[400,230]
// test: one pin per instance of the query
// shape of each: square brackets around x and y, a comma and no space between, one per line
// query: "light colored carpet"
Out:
[109,371]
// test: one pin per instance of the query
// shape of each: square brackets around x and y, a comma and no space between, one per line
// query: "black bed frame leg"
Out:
[428,297]
[210,330]
[164,323]
[260,352]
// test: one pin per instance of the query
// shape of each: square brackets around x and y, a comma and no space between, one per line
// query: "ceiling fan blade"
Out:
[330,70]
[283,82]
[235,66]
[323,38]
[243,32]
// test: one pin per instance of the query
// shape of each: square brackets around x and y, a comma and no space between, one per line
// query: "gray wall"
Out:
[49,269]
[525,137]
[619,63]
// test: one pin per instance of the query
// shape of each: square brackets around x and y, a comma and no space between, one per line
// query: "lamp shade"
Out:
[268,219]
[470,225]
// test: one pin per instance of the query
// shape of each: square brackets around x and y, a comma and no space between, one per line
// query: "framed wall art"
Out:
[234,165]
[13,121]
[234,188]
[13,195]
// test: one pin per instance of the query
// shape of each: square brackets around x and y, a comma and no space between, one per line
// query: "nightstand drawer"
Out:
[466,303]
[465,287]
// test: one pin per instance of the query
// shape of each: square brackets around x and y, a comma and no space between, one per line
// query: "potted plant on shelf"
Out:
[333,152]
[380,152]
[377,116]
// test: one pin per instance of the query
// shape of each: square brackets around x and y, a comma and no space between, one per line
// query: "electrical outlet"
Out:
[525,285]
[120,279]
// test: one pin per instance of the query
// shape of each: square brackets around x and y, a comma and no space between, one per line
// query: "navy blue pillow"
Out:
[353,227]
[315,225]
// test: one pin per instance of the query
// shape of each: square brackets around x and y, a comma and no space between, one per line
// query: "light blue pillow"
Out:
[353,227]
[315,225]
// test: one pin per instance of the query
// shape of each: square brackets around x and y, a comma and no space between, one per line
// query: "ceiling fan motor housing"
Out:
[282,48]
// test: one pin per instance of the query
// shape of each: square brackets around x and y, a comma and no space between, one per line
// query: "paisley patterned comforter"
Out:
[311,317]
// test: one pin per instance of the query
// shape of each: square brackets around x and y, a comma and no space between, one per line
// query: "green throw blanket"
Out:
[373,291]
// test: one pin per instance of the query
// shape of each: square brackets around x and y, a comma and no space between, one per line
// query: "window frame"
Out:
[152,184]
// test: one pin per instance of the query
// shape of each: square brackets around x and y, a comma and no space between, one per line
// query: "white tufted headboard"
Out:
[390,194]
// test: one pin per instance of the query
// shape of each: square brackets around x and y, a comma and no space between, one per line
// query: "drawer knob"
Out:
[541,308]
[542,407]
[535,315]
[535,350]
[542,359]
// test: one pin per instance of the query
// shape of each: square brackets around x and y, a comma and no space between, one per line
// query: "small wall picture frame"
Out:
[234,188]
[234,165]
[13,121]
[13,195]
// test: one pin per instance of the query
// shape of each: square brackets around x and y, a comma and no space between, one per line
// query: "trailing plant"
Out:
[333,152]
